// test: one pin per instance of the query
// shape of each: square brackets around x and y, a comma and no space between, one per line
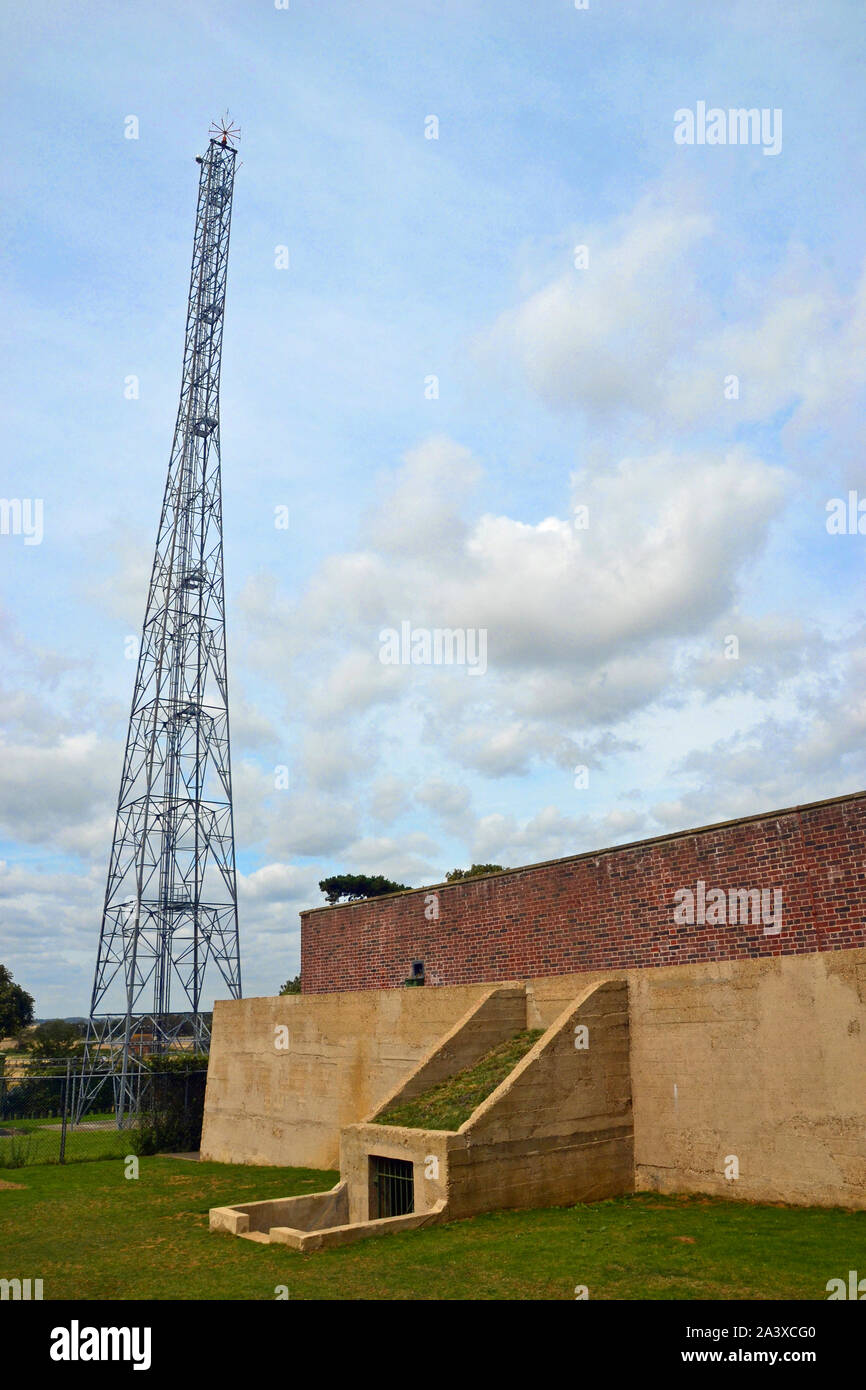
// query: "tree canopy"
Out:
[55,1038]
[350,886]
[457,874]
[16,1006]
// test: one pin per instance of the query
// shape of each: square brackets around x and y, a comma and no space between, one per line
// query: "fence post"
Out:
[65,1111]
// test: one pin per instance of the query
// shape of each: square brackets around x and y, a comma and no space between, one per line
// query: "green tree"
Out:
[292,986]
[55,1038]
[352,886]
[456,875]
[16,1006]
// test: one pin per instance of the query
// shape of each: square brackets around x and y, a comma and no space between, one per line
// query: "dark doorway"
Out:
[393,1186]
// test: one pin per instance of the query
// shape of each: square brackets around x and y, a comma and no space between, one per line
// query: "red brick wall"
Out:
[608,910]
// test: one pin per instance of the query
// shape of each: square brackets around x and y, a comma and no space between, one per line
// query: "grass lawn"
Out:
[38,1141]
[450,1103]
[90,1233]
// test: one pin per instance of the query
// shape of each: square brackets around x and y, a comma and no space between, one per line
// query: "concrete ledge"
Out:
[234,1220]
[306,1212]
[320,1221]
[356,1230]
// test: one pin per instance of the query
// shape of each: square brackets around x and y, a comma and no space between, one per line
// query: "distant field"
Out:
[88,1232]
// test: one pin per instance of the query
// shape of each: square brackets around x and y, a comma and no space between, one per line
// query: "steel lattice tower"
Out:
[171,898]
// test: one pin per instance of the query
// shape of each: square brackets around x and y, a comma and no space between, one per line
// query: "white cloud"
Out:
[418,513]
[449,801]
[599,337]
[60,793]
[312,823]
[595,635]
[389,800]
[408,858]
[634,333]
[550,834]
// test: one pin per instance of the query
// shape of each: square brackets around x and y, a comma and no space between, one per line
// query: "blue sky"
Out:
[558,387]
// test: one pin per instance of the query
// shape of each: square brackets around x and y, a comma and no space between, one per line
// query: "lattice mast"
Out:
[171,898]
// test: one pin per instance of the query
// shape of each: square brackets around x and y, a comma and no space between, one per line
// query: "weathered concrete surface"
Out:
[309,1222]
[763,1062]
[556,1130]
[349,1234]
[426,1149]
[306,1212]
[768,1058]
[346,1053]
[559,1128]
[496,1017]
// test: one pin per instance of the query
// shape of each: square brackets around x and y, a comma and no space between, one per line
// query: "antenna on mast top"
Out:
[225,131]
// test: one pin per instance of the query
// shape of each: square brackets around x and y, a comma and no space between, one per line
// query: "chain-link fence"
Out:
[37,1114]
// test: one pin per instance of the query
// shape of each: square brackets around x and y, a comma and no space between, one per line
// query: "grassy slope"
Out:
[449,1105]
[90,1233]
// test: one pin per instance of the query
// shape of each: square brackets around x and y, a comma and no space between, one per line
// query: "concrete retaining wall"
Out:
[559,1129]
[345,1054]
[763,1060]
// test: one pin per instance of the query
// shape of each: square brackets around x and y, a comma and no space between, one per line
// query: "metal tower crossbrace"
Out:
[171,898]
